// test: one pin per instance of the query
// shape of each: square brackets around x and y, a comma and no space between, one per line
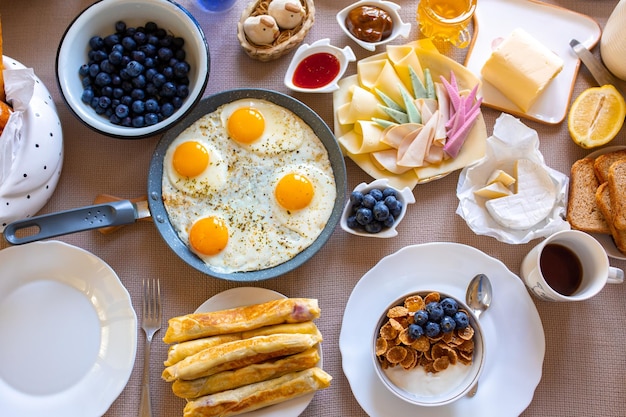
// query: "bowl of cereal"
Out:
[428,348]
[132,68]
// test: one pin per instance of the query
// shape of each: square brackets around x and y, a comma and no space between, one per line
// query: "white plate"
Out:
[497,18]
[237,297]
[73,332]
[513,333]
[605,239]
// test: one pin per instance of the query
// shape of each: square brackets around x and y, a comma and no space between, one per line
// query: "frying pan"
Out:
[126,211]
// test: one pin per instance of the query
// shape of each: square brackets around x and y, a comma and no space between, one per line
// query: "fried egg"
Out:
[304,196]
[194,165]
[269,208]
[262,127]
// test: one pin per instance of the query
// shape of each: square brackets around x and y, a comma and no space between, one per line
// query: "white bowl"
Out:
[426,389]
[344,57]
[399,27]
[99,19]
[38,157]
[405,196]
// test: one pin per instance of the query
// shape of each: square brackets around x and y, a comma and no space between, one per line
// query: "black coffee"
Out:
[561,268]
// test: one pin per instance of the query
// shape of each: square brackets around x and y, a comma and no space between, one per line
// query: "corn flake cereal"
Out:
[395,346]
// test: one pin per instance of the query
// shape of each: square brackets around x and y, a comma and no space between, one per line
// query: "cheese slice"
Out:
[520,67]
[493,190]
[531,203]
[501,176]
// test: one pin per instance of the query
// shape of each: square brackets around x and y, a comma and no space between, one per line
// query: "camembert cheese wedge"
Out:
[521,67]
[533,200]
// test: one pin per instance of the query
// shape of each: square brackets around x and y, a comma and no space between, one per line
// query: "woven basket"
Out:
[286,41]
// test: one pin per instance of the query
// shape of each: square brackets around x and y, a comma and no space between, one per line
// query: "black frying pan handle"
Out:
[70,221]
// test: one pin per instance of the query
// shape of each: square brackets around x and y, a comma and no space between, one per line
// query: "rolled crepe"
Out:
[195,326]
[250,374]
[180,351]
[261,394]
[237,354]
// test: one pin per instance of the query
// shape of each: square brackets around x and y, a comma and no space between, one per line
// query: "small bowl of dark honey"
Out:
[317,68]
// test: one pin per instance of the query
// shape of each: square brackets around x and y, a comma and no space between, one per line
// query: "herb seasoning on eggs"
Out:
[369,23]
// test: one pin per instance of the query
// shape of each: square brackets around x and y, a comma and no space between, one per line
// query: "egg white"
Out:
[211,180]
[283,129]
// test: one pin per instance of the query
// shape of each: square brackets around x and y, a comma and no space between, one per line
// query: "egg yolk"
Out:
[294,191]
[246,124]
[190,159]
[209,235]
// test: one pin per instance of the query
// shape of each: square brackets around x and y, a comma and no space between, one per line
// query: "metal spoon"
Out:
[478,298]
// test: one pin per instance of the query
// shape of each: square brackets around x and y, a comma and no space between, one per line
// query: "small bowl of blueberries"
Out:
[375,209]
[130,69]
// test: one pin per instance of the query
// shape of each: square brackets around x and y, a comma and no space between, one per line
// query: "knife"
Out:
[597,68]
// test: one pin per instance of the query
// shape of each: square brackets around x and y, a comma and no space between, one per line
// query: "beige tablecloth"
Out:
[584,372]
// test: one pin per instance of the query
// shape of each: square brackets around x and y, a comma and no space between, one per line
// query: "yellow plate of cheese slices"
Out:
[410,114]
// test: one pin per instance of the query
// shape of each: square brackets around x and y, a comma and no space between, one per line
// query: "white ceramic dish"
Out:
[405,196]
[497,18]
[399,27]
[237,297]
[73,332]
[450,266]
[344,56]
[35,171]
[99,19]
[605,239]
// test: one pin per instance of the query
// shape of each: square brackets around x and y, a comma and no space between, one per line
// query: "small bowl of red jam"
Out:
[317,68]
[371,23]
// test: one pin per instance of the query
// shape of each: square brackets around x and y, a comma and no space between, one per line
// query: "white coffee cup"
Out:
[553,264]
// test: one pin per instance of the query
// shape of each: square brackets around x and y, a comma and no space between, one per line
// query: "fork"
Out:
[150,323]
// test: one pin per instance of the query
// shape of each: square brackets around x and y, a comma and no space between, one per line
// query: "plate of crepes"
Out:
[527,67]
[512,332]
[512,194]
[410,114]
[70,332]
[597,198]
[247,351]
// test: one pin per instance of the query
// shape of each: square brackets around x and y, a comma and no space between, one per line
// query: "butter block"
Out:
[521,67]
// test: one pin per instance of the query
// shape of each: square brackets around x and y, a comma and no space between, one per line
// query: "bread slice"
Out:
[603,162]
[617,188]
[582,210]
[603,199]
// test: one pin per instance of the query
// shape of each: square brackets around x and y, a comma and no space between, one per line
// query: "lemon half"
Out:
[596,116]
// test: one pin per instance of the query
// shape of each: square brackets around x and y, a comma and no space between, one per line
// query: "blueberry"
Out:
[140,38]
[138,94]
[182,91]
[415,331]
[177,102]
[134,68]
[168,89]
[96,42]
[461,319]
[94,69]
[86,82]
[129,43]
[389,191]
[138,107]
[181,69]
[103,79]
[151,119]
[107,90]
[421,317]
[120,26]
[165,54]
[364,216]
[150,27]
[389,221]
[111,40]
[356,198]
[87,95]
[139,81]
[121,110]
[104,102]
[152,106]
[435,311]
[158,80]
[139,56]
[373,227]
[352,223]
[83,70]
[377,194]
[149,50]
[167,109]
[168,72]
[380,211]
[395,206]
[447,324]
[368,201]
[138,121]
[432,329]
[450,306]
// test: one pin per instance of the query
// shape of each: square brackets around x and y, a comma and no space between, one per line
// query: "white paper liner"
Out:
[511,141]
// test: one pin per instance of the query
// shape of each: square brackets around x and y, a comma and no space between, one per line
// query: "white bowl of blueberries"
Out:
[375,209]
[131,68]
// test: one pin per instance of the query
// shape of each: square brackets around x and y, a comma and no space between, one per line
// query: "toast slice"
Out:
[617,189]
[603,199]
[603,162]
[582,210]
